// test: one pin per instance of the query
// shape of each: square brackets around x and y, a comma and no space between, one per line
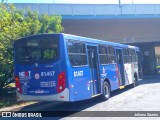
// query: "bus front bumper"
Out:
[63,96]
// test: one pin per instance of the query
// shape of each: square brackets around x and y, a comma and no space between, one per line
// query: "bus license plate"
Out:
[39,91]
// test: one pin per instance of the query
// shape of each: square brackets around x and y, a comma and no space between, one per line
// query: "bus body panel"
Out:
[109,72]
[63,96]
[130,71]
[79,83]
[128,74]
[41,80]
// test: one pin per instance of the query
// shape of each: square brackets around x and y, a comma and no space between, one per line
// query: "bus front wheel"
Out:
[106,91]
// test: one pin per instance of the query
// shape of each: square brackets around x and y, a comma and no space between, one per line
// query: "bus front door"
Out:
[93,66]
[120,66]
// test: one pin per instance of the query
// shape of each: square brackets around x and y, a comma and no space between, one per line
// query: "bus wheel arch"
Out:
[106,90]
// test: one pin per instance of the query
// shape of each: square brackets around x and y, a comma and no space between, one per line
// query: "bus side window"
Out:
[133,55]
[126,56]
[103,54]
[129,55]
[77,53]
[111,55]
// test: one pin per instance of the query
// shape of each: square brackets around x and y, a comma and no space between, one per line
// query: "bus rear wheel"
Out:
[106,91]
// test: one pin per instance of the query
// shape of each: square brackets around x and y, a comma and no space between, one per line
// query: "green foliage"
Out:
[15,23]
[50,24]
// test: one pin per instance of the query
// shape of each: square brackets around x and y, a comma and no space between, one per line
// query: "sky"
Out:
[88,1]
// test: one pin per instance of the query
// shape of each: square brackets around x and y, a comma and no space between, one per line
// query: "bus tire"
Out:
[106,91]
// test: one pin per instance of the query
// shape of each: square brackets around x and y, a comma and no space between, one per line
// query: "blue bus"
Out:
[63,67]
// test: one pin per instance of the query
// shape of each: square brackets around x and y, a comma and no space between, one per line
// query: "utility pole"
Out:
[120,5]
[132,1]
[119,1]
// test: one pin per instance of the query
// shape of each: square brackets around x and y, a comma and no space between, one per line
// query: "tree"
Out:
[50,24]
[15,23]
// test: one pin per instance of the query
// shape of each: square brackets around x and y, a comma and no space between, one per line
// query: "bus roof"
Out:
[96,41]
[85,39]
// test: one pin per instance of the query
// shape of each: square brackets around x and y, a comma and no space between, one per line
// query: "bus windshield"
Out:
[40,50]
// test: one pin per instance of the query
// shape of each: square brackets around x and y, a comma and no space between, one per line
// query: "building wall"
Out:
[117,30]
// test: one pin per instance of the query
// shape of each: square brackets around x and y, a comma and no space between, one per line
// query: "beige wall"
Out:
[117,30]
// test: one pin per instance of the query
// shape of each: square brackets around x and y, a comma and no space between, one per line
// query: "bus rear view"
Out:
[39,68]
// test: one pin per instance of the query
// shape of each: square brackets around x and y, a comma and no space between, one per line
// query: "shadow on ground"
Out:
[150,80]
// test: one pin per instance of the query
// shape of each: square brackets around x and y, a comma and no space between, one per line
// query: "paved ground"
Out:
[144,97]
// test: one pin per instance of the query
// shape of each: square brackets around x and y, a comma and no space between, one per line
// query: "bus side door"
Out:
[120,65]
[93,66]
